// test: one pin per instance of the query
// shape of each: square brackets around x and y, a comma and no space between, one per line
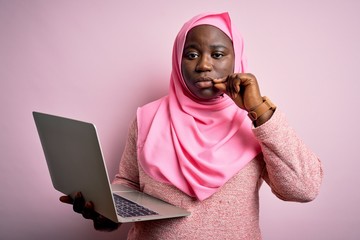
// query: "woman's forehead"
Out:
[208,34]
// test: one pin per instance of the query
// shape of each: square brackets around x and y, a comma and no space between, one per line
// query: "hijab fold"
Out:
[196,146]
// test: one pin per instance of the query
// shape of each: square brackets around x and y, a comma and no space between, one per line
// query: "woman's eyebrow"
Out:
[191,45]
[213,46]
[217,46]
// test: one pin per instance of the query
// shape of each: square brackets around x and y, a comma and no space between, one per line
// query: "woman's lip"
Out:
[204,83]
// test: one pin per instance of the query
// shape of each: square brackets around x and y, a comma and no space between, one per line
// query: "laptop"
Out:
[75,162]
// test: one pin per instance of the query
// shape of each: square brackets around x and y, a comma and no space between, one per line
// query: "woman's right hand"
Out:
[86,209]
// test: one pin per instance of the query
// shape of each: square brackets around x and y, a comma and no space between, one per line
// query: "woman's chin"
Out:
[208,94]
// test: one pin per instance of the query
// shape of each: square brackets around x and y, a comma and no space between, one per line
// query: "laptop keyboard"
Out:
[127,208]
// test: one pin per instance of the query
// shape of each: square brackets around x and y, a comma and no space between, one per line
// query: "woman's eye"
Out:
[217,55]
[192,55]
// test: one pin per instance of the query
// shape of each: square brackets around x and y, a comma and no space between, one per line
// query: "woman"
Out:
[208,145]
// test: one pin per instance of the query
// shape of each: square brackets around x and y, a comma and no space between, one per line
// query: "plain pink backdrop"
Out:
[99,60]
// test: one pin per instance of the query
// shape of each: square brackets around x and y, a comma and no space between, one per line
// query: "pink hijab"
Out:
[196,146]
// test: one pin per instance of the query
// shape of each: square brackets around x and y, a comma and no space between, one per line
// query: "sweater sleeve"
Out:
[128,168]
[292,170]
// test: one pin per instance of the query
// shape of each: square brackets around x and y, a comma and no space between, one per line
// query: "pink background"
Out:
[99,60]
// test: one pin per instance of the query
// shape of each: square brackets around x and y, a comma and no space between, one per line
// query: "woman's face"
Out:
[208,54]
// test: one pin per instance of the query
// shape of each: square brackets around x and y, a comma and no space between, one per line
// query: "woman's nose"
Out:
[204,64]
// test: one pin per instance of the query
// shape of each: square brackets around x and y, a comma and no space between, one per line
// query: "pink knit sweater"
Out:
[292,171]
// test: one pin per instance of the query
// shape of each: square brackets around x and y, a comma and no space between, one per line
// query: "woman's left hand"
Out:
[242,88]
